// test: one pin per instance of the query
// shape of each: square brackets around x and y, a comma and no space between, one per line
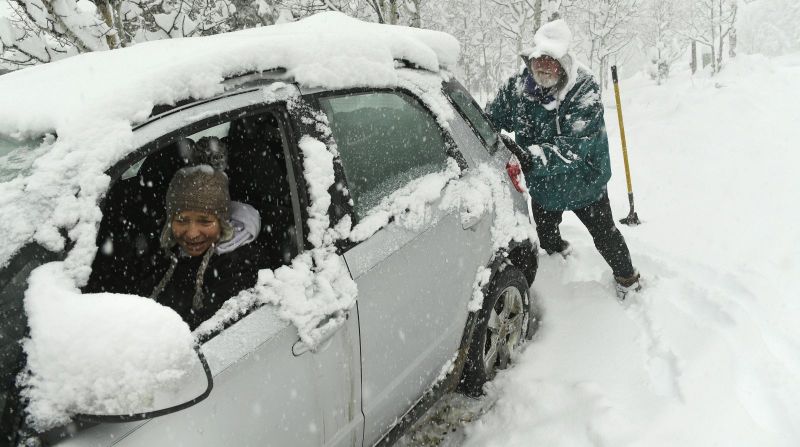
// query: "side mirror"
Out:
[195,386]
[105,357]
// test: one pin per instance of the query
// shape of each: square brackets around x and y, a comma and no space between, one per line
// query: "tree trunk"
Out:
[416,20]
[713,40]
[537,15]
[732,43]
[393,15]
[693,63]
[112,38]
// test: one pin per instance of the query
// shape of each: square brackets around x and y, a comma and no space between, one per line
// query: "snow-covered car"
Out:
[395,256]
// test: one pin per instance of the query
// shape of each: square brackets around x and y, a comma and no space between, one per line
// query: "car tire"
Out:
[505,321]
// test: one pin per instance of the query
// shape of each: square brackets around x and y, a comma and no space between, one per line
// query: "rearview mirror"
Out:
[105,357]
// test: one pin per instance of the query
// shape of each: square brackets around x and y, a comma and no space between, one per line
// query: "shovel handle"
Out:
[621,129]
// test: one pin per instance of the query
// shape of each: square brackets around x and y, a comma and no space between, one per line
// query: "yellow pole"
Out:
[632,218]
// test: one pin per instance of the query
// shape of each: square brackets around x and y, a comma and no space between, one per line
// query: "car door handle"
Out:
[300,347]
[471,222]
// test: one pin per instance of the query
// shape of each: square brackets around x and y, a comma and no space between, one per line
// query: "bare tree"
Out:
[603,29]
[40,31]
[516,19]
[659,23]
[710,23]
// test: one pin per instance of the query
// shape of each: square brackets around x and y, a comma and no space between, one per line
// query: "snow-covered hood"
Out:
[554,39]
[93,101]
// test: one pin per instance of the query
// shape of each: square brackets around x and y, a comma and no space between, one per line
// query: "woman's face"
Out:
[195,231]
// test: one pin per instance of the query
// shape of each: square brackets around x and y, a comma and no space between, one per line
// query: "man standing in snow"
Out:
[554,109]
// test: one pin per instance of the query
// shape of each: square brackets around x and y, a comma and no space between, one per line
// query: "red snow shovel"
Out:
[632,218]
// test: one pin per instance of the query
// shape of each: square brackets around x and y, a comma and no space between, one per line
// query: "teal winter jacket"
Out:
[571,167]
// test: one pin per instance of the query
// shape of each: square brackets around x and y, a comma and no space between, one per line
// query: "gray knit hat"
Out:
[198,188]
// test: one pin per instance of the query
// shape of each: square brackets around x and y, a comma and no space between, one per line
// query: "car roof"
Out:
[93,101]
[329,50]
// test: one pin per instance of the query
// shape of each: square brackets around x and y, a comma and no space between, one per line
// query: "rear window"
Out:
[470,110]
[385,140]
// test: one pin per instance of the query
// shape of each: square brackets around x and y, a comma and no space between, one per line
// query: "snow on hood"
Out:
[554,39]
[92,101]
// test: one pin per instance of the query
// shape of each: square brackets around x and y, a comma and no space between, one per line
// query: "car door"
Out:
[269,390]
[414,279]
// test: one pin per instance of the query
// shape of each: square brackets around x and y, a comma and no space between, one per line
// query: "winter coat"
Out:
[571,165]
[231,269]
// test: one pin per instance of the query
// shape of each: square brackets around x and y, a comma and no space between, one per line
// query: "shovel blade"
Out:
[632,220]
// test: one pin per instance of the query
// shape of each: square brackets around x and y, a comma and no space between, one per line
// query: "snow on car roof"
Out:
[326,50]
[93,100]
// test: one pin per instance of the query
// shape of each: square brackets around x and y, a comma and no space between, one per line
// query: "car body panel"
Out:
[414,287]
[263,394]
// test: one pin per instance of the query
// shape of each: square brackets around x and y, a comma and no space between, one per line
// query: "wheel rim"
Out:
[504,331]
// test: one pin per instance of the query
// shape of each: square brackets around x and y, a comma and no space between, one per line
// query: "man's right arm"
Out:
[501,108]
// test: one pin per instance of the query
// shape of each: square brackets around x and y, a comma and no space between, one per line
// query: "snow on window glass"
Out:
[385,140]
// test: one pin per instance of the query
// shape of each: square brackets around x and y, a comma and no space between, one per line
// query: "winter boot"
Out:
[627,286]
[565,249]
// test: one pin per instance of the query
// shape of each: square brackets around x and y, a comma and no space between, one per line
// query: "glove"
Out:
[525,157]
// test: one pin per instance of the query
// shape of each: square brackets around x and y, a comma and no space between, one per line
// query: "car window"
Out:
[470,110]
[385,139]
[131,258]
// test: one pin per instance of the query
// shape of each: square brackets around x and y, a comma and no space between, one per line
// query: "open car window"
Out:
[131,258]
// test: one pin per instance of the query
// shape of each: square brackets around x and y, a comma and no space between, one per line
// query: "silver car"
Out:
[439,305]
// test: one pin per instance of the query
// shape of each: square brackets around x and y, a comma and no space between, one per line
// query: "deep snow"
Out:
[709,352]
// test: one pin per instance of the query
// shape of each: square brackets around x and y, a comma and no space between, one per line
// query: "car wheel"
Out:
[502,325]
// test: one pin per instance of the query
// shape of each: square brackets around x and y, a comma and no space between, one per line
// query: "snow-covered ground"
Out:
[709,352]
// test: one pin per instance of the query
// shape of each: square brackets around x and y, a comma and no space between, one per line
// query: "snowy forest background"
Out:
[653,35]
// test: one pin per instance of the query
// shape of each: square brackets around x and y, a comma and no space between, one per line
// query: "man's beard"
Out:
[545,80]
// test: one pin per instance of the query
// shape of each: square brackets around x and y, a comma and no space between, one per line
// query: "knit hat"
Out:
[199,188]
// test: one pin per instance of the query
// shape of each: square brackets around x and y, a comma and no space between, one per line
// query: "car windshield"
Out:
[17,155]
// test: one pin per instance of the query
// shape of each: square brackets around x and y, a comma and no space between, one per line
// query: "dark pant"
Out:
[596,217]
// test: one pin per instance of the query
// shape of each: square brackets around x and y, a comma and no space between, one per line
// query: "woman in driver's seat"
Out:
[205,240]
